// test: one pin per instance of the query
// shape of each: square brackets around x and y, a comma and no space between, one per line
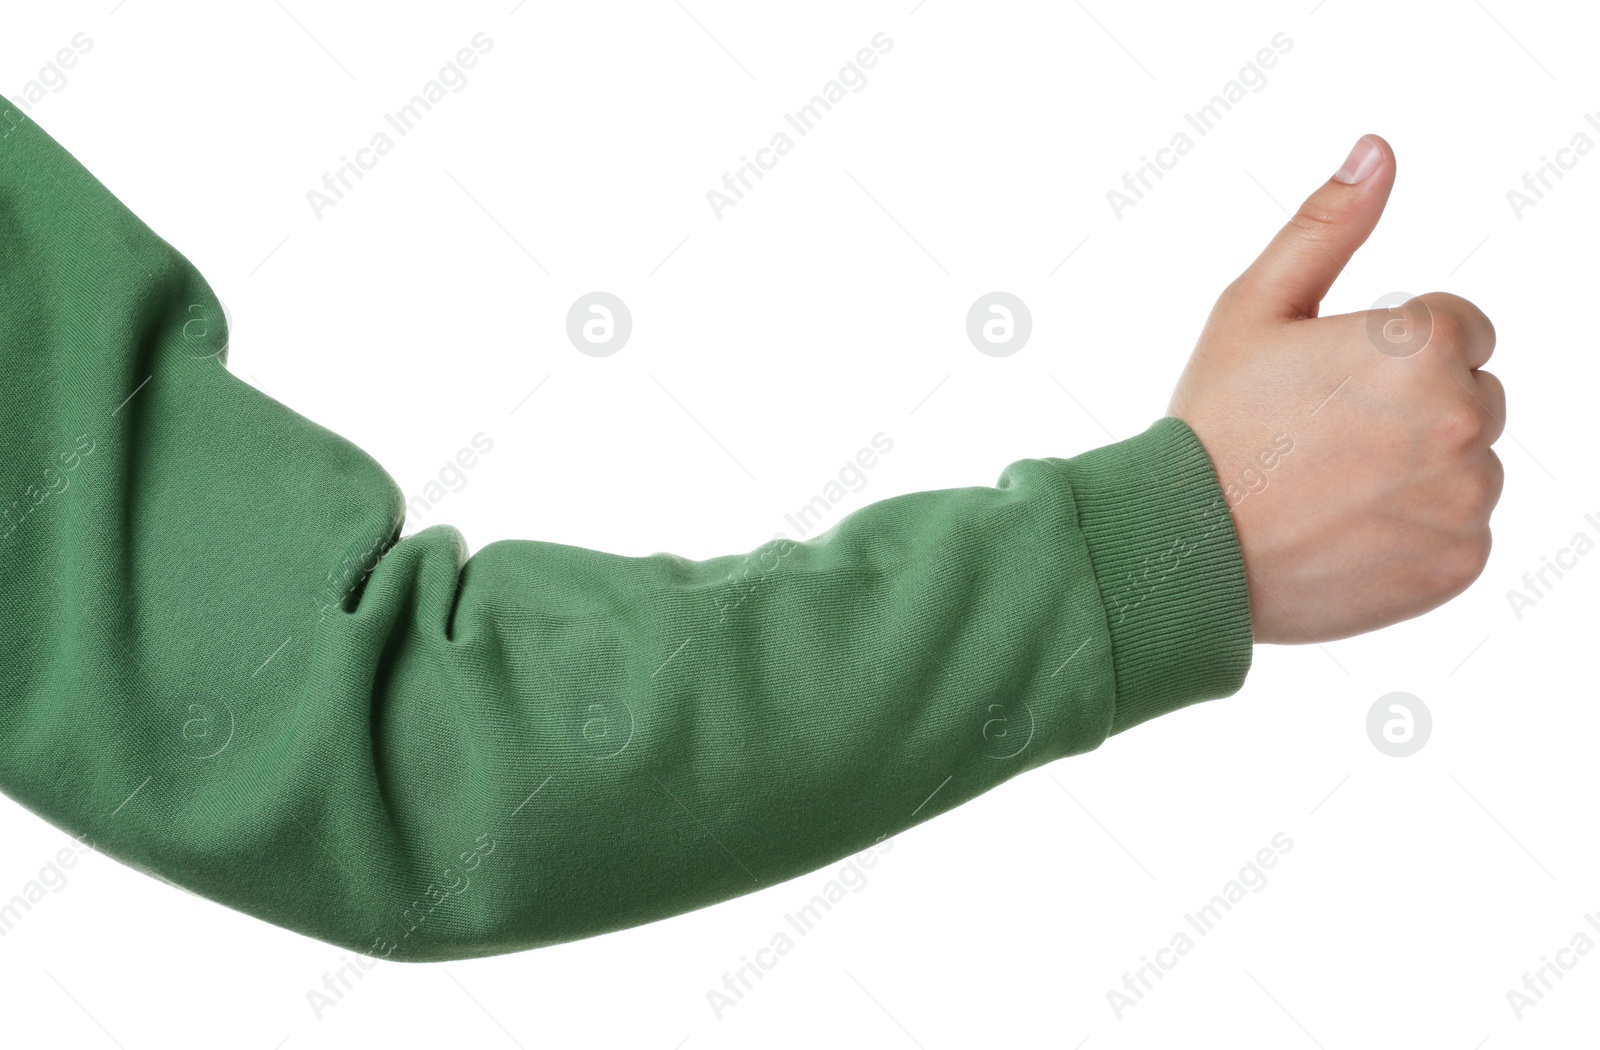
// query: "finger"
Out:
[1290,278]
[1497,480]
[1457,324]
[1490,394]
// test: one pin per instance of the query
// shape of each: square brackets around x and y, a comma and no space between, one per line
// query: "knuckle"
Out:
[1474,556]
[1456,320]
[1316,219]
[1461,307]
[1464,561]
[1446,330]
[1235,295]
[1480,320]
[1478,492]
[1444,302]
[1459,426]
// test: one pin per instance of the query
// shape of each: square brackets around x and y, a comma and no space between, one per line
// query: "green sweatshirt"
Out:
[225,668]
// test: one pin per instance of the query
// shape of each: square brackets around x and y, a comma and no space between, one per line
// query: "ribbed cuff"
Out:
[1167,560]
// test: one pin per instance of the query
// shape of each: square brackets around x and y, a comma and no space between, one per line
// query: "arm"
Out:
[227,671]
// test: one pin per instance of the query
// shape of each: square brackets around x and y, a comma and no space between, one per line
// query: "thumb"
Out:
[1289,278]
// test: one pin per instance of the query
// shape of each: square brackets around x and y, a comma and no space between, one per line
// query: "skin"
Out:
[1380,512]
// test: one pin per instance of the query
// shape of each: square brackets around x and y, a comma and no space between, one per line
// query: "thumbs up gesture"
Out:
[1354,450]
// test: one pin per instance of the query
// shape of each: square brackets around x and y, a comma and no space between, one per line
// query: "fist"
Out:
[1354,450]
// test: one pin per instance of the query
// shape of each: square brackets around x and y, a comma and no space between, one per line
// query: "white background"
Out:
[769,345]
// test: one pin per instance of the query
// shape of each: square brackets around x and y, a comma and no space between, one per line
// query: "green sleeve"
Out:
[225,668]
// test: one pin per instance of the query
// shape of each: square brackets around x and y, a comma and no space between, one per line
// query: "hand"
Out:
[1354,449]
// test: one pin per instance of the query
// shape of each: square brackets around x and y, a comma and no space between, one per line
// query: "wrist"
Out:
[1168,563]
